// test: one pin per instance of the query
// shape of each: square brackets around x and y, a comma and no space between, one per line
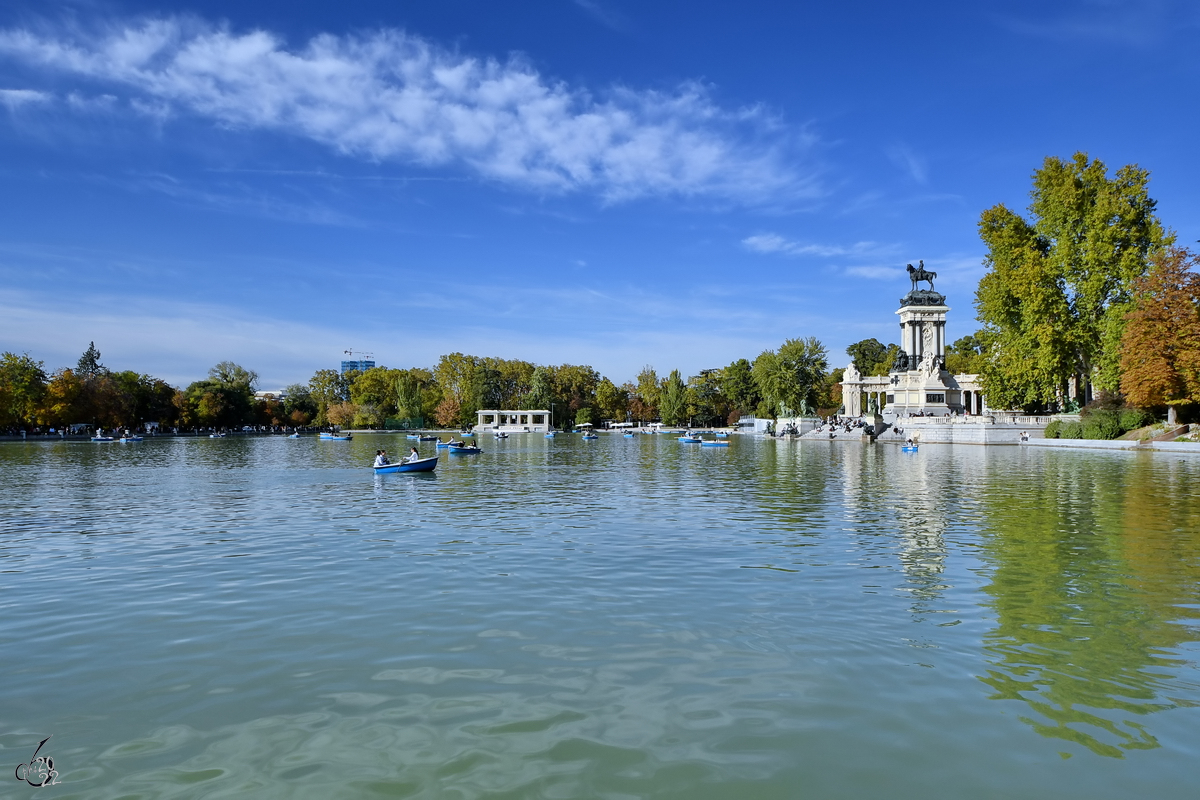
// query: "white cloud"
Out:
[774,243]
[391,95]
[876,273]
[15,98]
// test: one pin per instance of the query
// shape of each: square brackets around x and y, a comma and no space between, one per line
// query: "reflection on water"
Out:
[623,617]
[1093,566]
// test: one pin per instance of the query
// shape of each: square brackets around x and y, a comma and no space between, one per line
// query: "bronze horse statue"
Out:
[919,273]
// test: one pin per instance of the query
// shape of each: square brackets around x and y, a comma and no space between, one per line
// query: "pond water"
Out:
[619,618]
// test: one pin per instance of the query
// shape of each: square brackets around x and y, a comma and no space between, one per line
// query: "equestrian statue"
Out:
[919,273]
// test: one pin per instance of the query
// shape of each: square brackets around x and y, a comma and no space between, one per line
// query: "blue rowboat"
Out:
[714,444]
[465,449]
[722,435]
[450,443]
[549,435]
[126,439]
[907,449]
[103,439]
[691,439]
[628,435]
[591,436]
[415,436]
[294,436]
[334,437]
[468,433]
[421,465]
[428,438]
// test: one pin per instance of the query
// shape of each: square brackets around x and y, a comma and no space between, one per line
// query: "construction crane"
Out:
[361,355]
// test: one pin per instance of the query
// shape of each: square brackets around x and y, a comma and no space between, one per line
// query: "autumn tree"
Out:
[61,403]
[299,407]
[1160,348]
[649,393]
[1059,285]
[327,387]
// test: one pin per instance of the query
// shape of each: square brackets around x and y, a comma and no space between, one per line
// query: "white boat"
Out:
[103,439]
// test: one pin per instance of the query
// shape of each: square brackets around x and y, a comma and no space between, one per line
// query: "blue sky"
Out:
[591,181]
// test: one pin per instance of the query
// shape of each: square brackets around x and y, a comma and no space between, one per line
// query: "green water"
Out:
[619,618]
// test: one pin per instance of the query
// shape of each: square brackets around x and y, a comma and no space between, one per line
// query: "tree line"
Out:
[1088,299]
[794,379]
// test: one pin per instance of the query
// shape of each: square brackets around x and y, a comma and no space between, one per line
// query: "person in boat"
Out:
[380,458]
[414,455]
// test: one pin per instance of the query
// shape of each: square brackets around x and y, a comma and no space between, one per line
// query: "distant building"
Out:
[361,366]
[278,394]
[514,421]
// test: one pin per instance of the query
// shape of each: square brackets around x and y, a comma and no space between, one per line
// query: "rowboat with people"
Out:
[420,465]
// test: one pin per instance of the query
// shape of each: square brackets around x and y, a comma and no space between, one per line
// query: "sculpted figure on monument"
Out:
[919,273]
[901,364]
[851,375]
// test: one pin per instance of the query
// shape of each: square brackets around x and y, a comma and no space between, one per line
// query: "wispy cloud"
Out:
[773,243]
[391,95]
[604,14]
[903,157]
[1141,24]
[15,98]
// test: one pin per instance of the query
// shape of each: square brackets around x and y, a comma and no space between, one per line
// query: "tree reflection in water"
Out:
[1095,580]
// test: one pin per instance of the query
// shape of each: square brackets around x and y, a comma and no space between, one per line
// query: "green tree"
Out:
[417,394]
[1059,286]
[1160,349]
[673,399]
[89,365]
[374,391]
[22,387]
[327,388]
[707,404]
[231,374]
[737,384]
[803,363]
[868,355]
[299,407]
[541,390]
[612,401]
[966,355]
[768,378]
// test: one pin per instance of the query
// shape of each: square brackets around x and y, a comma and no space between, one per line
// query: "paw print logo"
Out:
[40,769]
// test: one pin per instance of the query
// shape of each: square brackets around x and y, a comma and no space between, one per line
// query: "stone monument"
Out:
[919,383]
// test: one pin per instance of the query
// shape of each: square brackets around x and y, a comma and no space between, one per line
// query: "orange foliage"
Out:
[1160,350]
